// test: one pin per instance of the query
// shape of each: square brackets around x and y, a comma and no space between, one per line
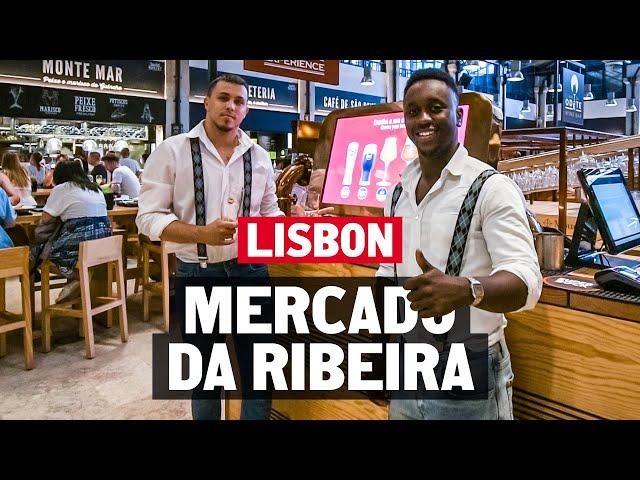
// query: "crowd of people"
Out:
[75,209]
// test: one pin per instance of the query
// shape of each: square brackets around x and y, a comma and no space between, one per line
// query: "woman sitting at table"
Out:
[18,177]
[80,205]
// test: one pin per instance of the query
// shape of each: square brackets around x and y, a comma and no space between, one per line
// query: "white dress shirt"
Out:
[499,236]
[167,192]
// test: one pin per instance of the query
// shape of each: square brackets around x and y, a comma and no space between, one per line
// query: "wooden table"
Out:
[119,214]
[41,195]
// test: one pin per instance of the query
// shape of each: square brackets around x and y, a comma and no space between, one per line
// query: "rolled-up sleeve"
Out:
[155,202]
[508,236]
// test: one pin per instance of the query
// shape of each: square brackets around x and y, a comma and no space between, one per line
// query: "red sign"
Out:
[322,71]
[319,239]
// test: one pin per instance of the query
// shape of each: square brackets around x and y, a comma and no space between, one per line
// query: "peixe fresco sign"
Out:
[35,102]
[143,78]
[321,71]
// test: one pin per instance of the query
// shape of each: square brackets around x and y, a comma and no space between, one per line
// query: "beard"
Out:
[224,126]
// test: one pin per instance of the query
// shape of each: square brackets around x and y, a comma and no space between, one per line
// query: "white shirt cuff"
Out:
[533,281]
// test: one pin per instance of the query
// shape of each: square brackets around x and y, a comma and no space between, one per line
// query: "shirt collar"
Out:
[455,167]
[244,141]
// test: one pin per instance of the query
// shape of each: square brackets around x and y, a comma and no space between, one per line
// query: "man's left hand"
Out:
[435,294]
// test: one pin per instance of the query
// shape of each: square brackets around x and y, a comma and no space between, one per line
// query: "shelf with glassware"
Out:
[556,170]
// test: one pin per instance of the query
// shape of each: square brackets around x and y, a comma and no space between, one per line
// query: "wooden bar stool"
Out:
[15,262]
[92,253]
[129,239]
[162,252]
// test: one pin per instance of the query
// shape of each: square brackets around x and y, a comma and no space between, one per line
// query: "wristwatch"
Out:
[477,291]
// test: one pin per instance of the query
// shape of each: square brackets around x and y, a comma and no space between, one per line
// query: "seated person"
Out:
[18,178]
[35,168]
[81,207]
[12,193]
[48,178]
[129,183]
[97,167]
[129,162]
[7,219]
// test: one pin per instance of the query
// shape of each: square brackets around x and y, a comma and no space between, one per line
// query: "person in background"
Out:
[48,178]
[81,158]
[128,162]
[35,168]
[97,167]
[144,159]
[18,177]
[81,207]
[7,219]
[129,183]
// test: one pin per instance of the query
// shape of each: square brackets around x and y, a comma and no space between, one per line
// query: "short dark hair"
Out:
[110,158]
[229,78]
[36,156]
[125,152]
[432,74]
[72,171]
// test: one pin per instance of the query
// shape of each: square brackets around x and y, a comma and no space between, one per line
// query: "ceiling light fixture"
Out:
[588,94]
[367,79]
[515,75]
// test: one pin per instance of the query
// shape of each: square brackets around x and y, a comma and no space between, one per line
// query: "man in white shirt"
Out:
[130,163]
[167,205]
[499,271]
[129,183]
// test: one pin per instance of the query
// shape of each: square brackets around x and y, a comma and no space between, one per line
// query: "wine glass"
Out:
[388,154]
[99,179]
[409,151]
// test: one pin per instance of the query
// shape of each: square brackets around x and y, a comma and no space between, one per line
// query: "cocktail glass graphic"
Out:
[368,160]
[388,154]
[15,93]
[409,151]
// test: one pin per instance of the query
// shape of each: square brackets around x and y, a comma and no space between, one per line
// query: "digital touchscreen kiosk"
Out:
[613,208]
[367,156]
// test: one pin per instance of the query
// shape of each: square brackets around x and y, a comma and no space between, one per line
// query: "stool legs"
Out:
[87,317]
[46,302]
[122,309]
[164,271]
[3,336]
[26,312]
[145,281]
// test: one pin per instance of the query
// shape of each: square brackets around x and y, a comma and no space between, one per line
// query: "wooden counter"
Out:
[573,356]
[576,356]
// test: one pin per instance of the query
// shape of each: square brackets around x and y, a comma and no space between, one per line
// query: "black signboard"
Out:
[35,102]
[144,78]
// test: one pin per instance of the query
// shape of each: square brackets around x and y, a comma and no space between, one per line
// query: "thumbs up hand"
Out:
[435,294]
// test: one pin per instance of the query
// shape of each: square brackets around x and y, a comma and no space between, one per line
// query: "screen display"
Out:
[368,155]
[618,211]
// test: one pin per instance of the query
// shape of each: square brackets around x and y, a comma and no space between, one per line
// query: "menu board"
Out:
[368,155]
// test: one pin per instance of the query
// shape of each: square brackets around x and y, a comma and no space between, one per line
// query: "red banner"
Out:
[319,239]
